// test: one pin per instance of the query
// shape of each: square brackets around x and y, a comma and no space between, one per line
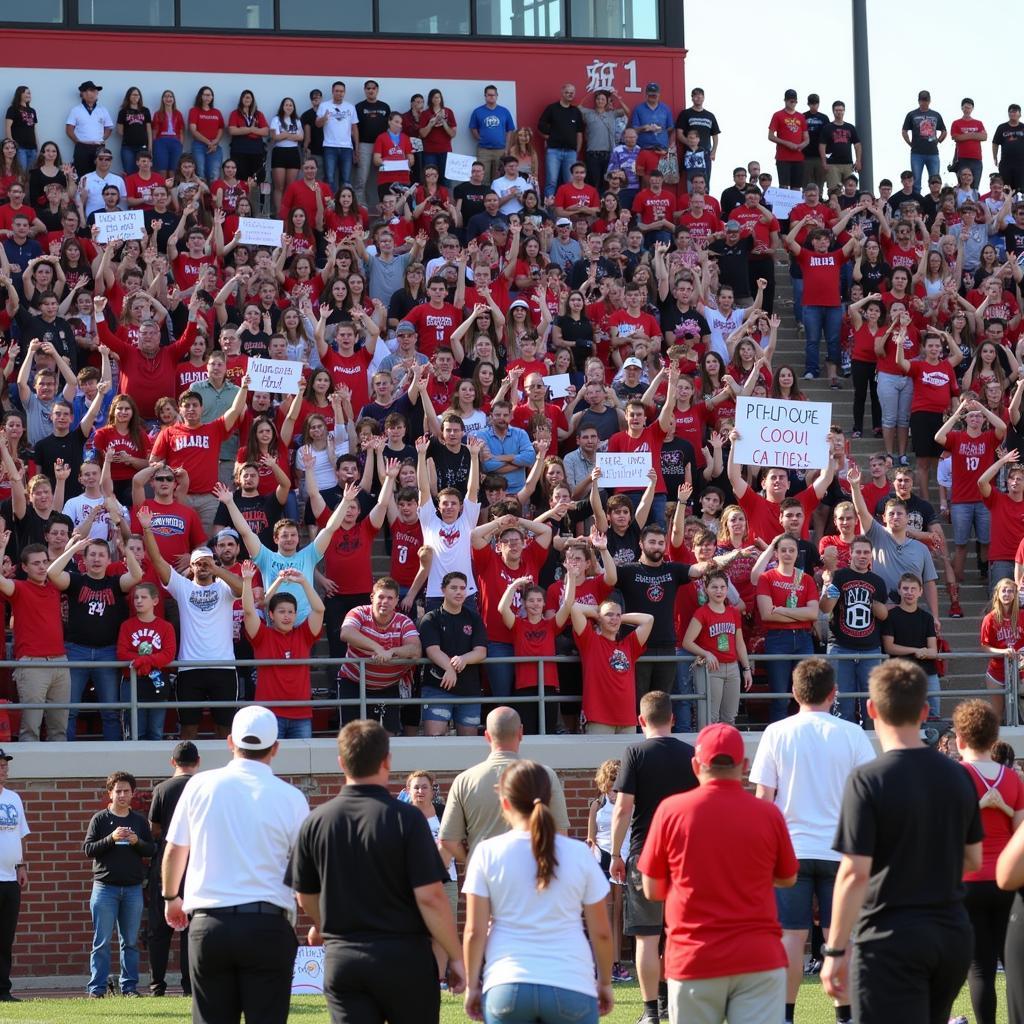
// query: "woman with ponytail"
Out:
[525,891]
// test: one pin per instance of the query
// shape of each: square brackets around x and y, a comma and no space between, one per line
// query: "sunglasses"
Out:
[164,479]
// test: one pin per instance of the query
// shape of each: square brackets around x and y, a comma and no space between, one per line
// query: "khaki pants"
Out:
[724,693]
[835,173]
[755,998]
[491,159]
[600,729]
[206,507]
[49,684]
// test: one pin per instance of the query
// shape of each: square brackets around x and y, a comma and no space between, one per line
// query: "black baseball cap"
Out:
[5,757]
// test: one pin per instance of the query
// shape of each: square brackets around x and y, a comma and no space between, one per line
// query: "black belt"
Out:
[259,907]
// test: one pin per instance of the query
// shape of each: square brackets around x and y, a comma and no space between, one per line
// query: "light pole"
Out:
[862,90]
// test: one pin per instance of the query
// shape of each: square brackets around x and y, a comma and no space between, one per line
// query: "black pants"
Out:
[1013,954]
[336,609]
[531,718]
[989,910]
[1013,175]
[362,988]
[241,963]
[10,904]
[84,157]
[655,675]
[791,173]
[159,936]
[863,374]
[597,167]
[250,165]
[912,977]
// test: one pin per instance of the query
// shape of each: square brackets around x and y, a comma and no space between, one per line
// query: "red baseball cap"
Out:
[720,740]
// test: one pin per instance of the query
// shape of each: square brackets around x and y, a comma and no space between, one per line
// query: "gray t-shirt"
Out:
[37,414]
[892,560]
[599,129]
[385,277]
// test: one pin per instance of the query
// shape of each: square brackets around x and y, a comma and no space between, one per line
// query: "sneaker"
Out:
[443,985]
[834,384]
[813,967]
[877,432]
[955,611]
[647,1018]
[8,998]
[810,376]
[620,974]
[857,435]
[662,1010]
[959,1020]
[96,995]
[132,994]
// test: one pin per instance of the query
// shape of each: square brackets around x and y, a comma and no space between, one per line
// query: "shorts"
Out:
[970,515]
[207,684]
[895,393]
[285,157]
[923,428]
[436,710]
[642,916]
[795,905]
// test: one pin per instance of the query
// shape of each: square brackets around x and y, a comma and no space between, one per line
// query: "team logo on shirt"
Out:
[450,537]
[8,816]
[618,661]
[655,592]
[468,629]
[935,380]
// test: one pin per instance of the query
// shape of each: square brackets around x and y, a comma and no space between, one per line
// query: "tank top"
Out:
[604,829]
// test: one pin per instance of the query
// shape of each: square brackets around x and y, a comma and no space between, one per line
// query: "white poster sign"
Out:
[256,231]
[558,385]
[276,376]
[783,433]
[308,973]
[122,224]
[782,200]
[623,469]
[458,167]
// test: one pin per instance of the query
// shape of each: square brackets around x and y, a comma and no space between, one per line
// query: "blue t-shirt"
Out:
[661,116]
[270,563]
[492,125]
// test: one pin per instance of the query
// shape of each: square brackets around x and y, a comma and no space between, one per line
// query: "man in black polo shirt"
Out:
[366,870]
[373,115]
[313,137]
[659,767]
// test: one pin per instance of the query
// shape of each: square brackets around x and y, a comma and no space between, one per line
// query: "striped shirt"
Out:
[398,632]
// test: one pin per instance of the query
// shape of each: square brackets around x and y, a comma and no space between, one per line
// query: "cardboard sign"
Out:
[256,231]
[782,200]
[275,376]
[623,469]
[558,385]
[458,166]
[783,433]
[122,224]
[308,973]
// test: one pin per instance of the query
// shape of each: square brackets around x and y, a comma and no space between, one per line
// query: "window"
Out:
[436,17]
[245,15]
[326,16]
[45,12]
[149,13]
[614,19]
[541,19]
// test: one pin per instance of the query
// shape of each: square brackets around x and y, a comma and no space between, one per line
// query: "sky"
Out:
[746,55]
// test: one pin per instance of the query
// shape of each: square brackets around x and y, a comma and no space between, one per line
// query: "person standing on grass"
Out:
[13,873]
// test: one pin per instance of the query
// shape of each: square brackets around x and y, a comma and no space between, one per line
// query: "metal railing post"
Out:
[1011,713]
[704,704]
[362,689]
[541,706]
[133,697]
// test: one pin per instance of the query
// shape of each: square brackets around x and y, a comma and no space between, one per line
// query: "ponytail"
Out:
[526,785]
[542,842]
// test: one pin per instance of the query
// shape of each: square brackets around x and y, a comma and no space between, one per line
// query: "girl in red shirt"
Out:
[298,230]
[263,448]
[734,535]
[437,129]
[229,188]
[125,440]
[867,318]
[1002,633]
[206,123]
[347,215]
[168,132]
[786,385]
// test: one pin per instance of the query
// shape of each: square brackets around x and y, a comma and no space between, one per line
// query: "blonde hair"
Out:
[606,774]
[996,606]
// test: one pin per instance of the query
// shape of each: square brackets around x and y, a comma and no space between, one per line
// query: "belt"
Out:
[259,907]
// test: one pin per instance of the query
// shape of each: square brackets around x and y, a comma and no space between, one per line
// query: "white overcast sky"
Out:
[745,55]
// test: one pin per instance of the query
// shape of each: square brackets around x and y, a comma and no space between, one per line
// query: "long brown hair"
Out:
[135,431]
[526,785]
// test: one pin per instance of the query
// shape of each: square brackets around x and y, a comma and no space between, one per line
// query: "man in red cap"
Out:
[718,852]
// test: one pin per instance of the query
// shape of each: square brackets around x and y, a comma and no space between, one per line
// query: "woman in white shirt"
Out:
[529,886]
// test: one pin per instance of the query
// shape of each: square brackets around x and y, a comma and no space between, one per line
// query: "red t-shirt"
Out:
[434,327]
[721,850]
[780,588]
[995,634]
[821,272]
[177,528]
[971,457]
[591,592]
[864,344]
[208,122]
[820,215]
[842,548]
[650,206]
[746,216]
[38,631]
[350,371]
[189,374]
[437,140]
[299,195]
[267,481]
[609,677]
[492,579]
[690,426]
[968,150]
[568,195]
[763,515]
[651,440]
[997,826]
[934,386]
[702,227]
[348,558]
[1007,527]
[718,632]
[523,414]
[159,633]
[197,450]
[790,126]
[887,361]
[393,152]
[406,541]
[284,682]
[138,187]
[623,325]
[873,494]
[186,269]
[534,640]
[108,438]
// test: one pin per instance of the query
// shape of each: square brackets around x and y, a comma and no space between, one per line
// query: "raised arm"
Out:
[225,496]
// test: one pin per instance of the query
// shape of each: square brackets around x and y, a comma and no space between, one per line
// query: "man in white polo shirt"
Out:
[235,828]
[340,123]
[88,126]
[13,874]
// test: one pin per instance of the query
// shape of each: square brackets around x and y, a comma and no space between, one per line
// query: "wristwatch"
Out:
[166,898]
[830,951]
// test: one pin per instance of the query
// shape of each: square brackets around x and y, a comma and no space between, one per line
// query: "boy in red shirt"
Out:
[656,210]
[788,130]
[149,643]
[283,639]
[576,196]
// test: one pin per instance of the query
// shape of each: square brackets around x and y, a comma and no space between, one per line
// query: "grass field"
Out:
[814,1007]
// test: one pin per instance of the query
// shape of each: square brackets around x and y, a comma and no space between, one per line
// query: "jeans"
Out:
[207,163]
[27,157]
[796,642]
[166,152]
[524,1003]
[337,166]
[920,162]
[998,571]
[684,711]
[128,161]
[151,720]
[798,299]
[105,681]
[294,728]
[934,689]
[557,164]
[817,319]
[852,677]
[657,509]
[110,905]
[502,677]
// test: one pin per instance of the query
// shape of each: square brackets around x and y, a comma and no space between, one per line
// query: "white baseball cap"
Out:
[254,728]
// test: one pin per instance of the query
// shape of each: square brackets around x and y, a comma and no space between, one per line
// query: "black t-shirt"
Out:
[651,771]
[1014,239]
[134,124]
[316,135]
[652,589]
[581,271]
[911,629]
[817,121]
[911,812]
[853,623]
[454,634]
[96,609]
[734,264]
[683,323]
[451,468]
[920,513]
[166,795]
[703,121]
[58,332]
[30,529]
[605,423]
[373,119]
[839,140]
[168,222]
[579,332]
[924,127]
[676,455]
[70,448]
[1011,138]
[731,198]
[472,197]
[23,126]
[366,853]
[624,549]
[260,512]
[874,276]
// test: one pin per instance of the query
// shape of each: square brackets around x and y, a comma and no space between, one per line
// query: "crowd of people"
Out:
[467,350]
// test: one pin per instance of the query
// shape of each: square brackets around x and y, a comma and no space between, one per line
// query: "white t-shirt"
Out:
[89,125]
[434,824]
[13,828]
[95,185]
[240,823]
[78,507]
[504,185]
[721,327]
[276,125]
[536,936]
[453,549]
[807,759]
[206,619]
[338,126]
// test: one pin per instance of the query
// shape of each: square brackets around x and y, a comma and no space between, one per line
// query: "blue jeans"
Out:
[27,157]
[657,508]
[110,905]
[796,642]
[106,682]
[337,166]
[502,677]
[852,677]
[128,161]
[207,163]
[151,720]
[934,689]
[798,299]
[556,168]
[817,319]
[920,162]
[684,711]
[523,1003]
[294,728]
[166,152]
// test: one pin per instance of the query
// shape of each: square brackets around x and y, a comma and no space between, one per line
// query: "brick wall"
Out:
[55,931]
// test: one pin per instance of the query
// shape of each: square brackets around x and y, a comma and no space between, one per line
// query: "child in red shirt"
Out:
[149,643]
